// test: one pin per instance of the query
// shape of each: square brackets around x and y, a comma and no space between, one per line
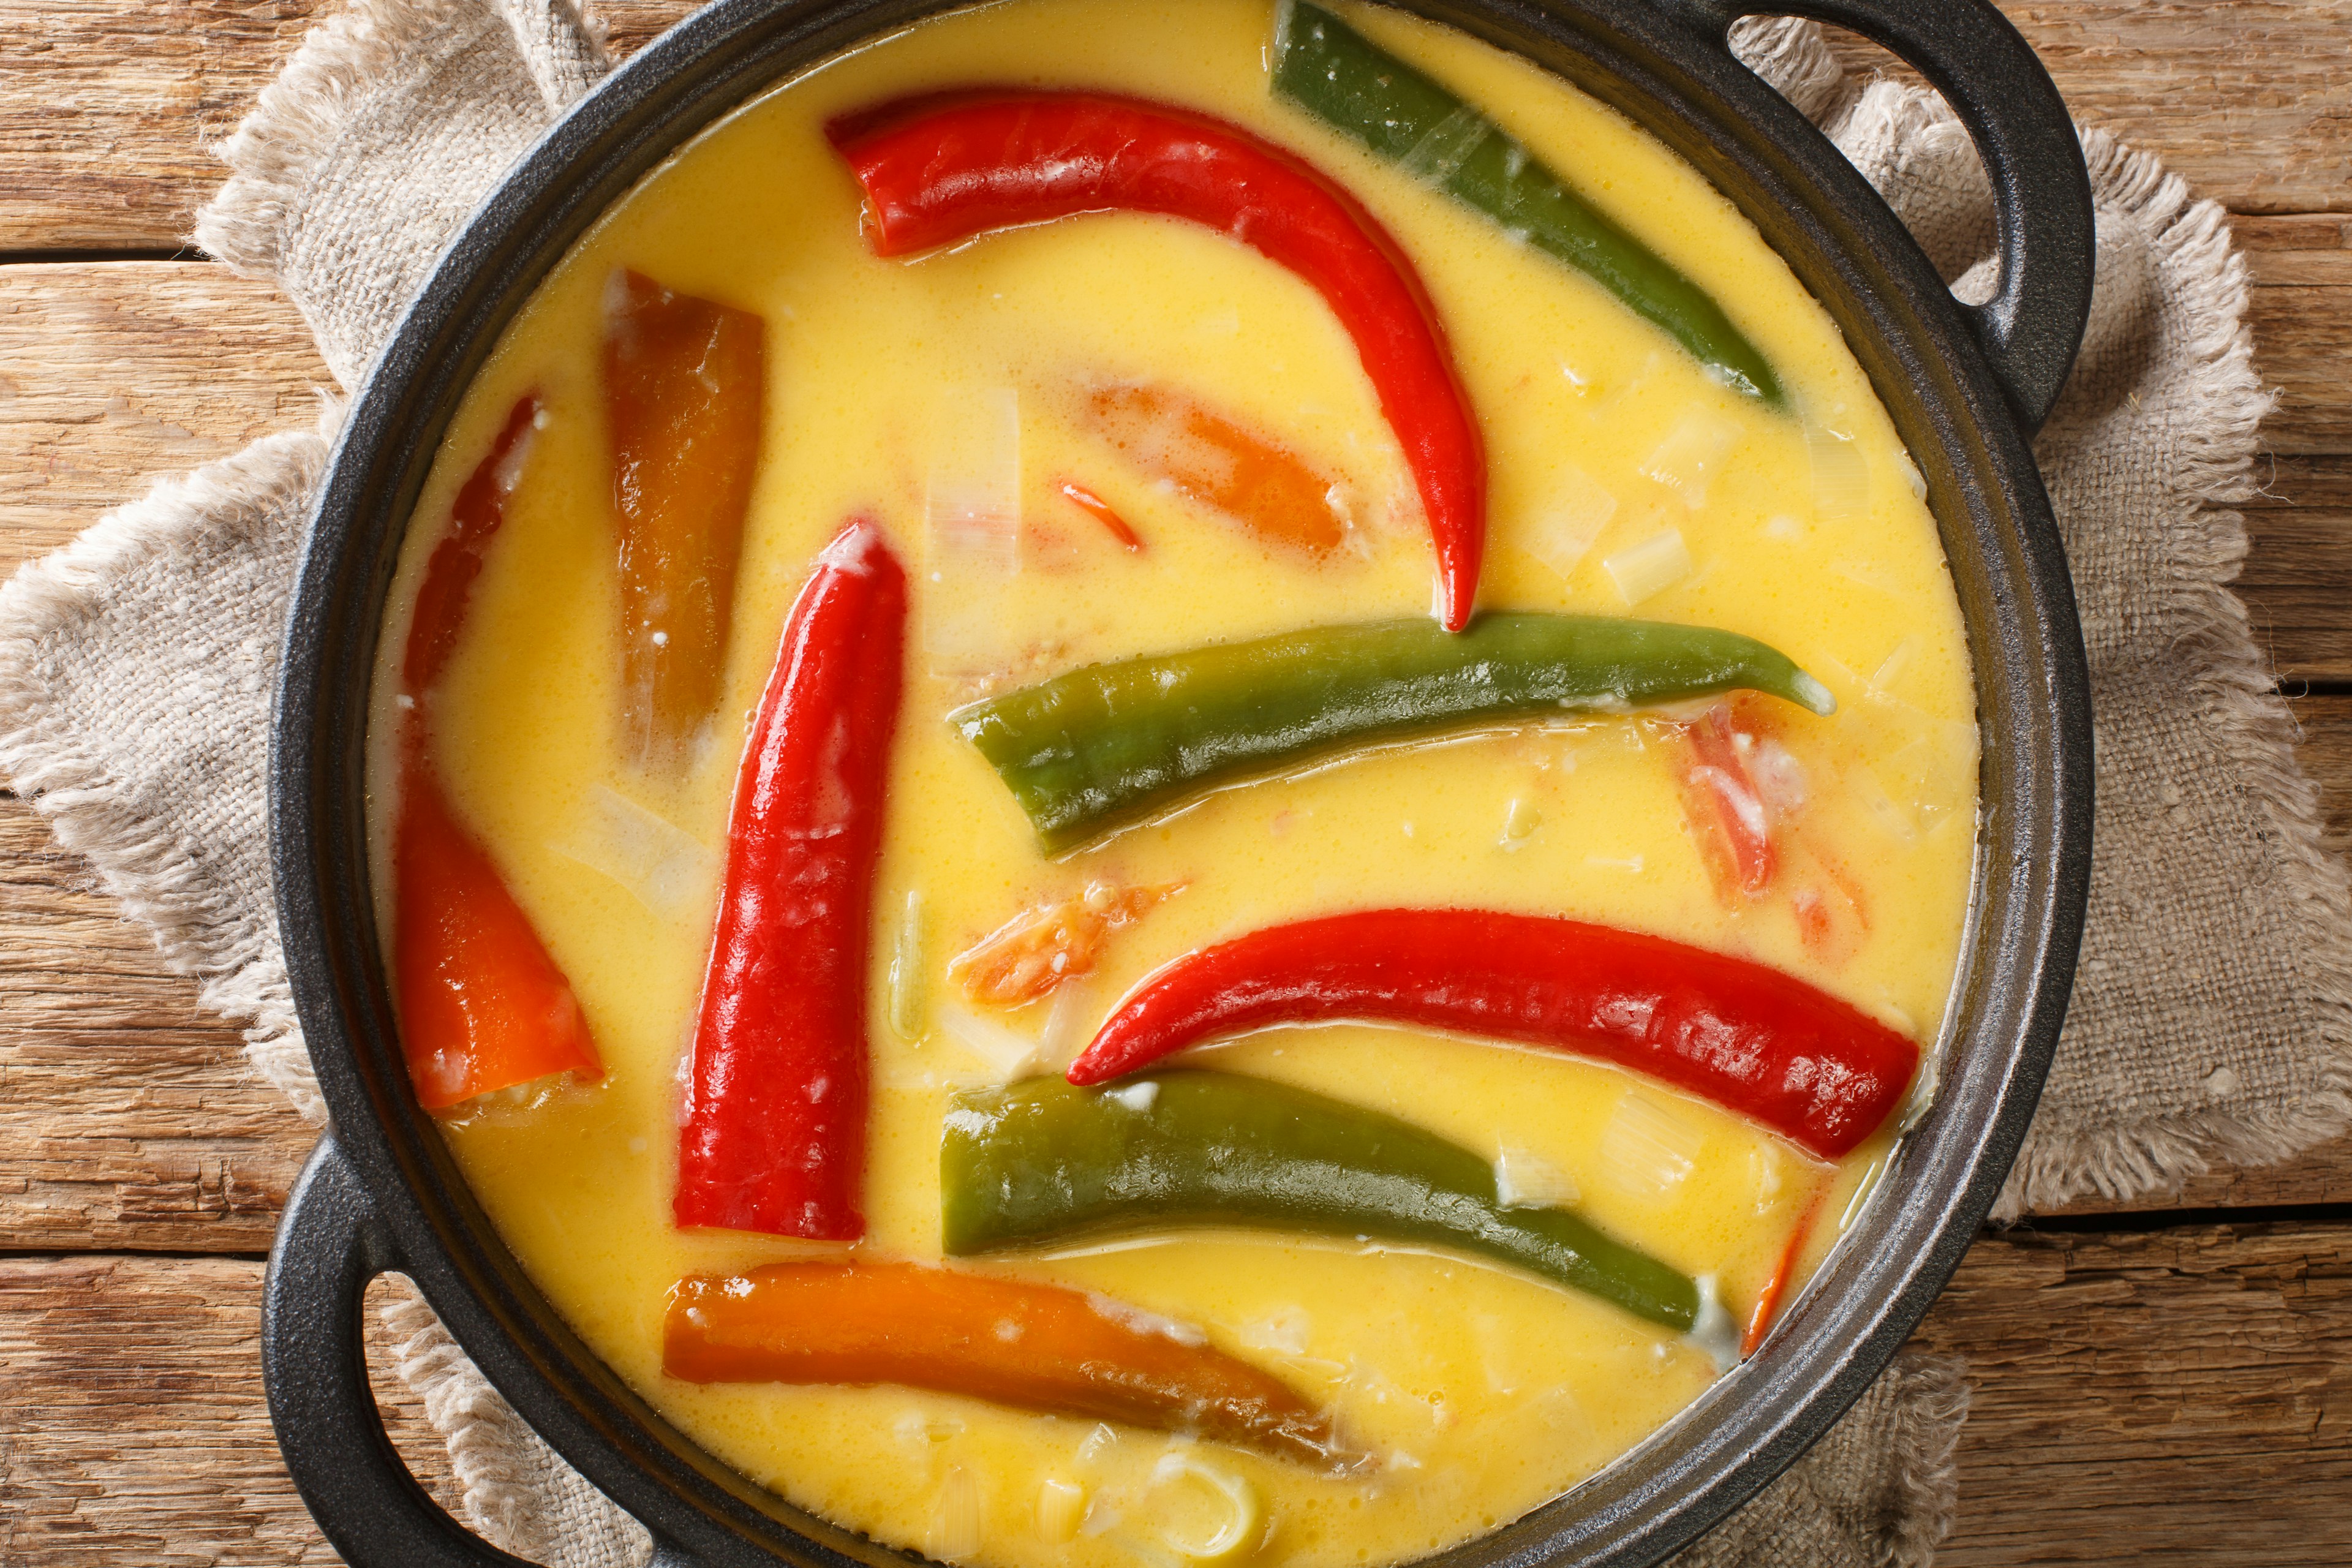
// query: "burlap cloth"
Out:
[2213,1018]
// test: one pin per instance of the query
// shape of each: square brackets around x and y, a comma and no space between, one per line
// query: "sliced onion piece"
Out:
[1647,1150]
[1693,453]
[1242,1524]
[1648,569]
[1562,531]
[956,1528]
[1526,1180]
[663,866]
[1007,1055]
[1841,476]
[971,528]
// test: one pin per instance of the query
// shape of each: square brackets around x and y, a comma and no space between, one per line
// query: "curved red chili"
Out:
[1755,1040]
[475,517]
[483,1006]
[939,171]
[774,1134]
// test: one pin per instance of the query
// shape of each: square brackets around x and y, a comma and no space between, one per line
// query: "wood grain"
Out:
[2301,313]
[128,1118]
[109,108]
[2181,1396]
[2222,93]
[113,375]
[2136,1394]
[2297,582]
[133,1427]
[113,372]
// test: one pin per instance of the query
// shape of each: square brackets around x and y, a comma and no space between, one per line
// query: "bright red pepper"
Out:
[482,1006]
[474,517]
[937,171]
[1757,1041]
[774,1134]
[1031,1346]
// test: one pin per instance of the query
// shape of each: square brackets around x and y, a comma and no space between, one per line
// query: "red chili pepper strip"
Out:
[474,517]
[774,1135]
[1767,1300]
[939,171]
[1034,1347]
[482,1006]
[1094,506]
[1757,1042]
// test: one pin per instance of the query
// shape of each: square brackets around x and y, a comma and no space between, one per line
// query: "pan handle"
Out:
[314,1369]
[2041,192]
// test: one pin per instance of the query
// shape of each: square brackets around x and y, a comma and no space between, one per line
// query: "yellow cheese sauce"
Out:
[890,384]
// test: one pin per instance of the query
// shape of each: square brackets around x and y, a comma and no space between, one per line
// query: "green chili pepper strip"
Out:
[1043,1163]
[1103,744]
[1344,79]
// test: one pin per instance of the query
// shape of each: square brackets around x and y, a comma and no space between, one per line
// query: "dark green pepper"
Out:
[1367,94]
[1103,744]
[1043,1163]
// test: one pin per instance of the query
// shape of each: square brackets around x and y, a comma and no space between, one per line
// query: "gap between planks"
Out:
[110,106]
[128,1121]
[2223,1358]
[115,377]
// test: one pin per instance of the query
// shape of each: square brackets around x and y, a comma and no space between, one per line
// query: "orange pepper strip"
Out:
[1221,465]
[685,388]
[1094,506]
[1767,1300]
[482,1006]
[1031,1346]
[1032,953]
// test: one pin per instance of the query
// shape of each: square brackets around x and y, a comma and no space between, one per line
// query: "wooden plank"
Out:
[2182,1396]
[108,107]
[108,110]
[2297,582]
[2176,1395]
[2326,754]
[2227,94]
[128,1118]
[2301,313]
[113,375]
[132,1427]
[2221,91]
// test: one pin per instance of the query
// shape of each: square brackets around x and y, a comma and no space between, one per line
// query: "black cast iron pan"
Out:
[1966,388]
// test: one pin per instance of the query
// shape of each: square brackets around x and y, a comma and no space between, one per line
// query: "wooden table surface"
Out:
[2168,1381]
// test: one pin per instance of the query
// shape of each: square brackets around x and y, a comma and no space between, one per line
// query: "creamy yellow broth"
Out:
[1487,1392]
